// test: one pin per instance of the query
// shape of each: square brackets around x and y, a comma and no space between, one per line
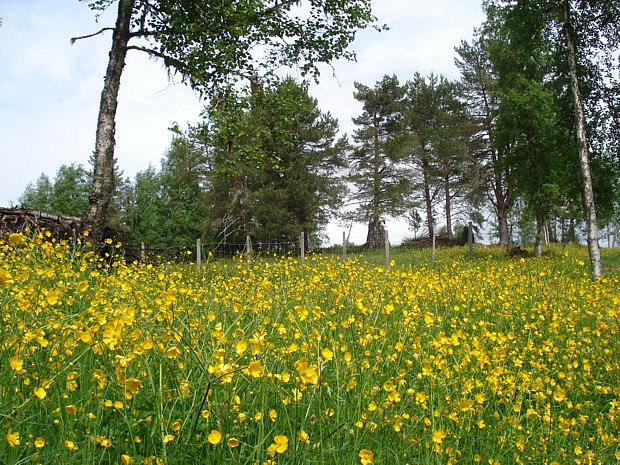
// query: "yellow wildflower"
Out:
[12,437]
[40,392]
[280,444]
[438,436]
[71,446]
[214,437]
[366,456]
[232,442]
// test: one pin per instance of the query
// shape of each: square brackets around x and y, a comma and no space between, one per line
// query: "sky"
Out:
[50,89]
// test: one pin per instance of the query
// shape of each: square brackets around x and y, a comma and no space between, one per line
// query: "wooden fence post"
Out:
[142,252]
[198,253]
[387,249]
[433,253]
[302,246]
[248,246]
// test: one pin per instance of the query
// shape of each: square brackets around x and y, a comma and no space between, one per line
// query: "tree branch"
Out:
[168,60]
[143,33]
[75,39]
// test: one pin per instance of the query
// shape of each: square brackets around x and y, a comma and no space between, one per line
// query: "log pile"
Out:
[64,227]
[15,220]
[440,241]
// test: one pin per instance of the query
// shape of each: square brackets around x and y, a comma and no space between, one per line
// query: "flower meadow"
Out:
[462,359]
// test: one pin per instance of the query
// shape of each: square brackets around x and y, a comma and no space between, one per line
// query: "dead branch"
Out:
[75,39]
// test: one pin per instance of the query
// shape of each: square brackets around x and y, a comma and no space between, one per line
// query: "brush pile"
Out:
[15,220]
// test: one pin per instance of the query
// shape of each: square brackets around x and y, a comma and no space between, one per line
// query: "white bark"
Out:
[587,192]
[103,177]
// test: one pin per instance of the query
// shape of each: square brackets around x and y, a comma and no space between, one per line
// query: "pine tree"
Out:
[381,183]
[275,165]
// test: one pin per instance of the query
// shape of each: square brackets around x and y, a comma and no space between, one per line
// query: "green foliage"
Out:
[184,183]
[530,131]
[491,172]
[211,43]
[147,217]
[169,207]
[441,131]
[38,196]
[535,115]
[66,195]
[275,163]
[70,191]
[381,180]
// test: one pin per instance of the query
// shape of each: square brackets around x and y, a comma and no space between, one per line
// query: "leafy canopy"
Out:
[209,42]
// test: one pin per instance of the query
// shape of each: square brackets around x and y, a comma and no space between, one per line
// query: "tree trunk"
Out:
[427,195]
[503,205]
[103,177]
[502,223]
[587,192]
[446,187]
[376,234]
[540,233]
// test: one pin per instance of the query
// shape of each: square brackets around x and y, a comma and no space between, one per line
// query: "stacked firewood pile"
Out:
[15,220]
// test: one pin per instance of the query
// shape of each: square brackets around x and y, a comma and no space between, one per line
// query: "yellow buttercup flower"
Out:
[232,442]
[280,445]
[71,446]
[16,239]
[40,392]
[255,369]
[366,456]
[173,352]
[12,438]
[16,363]
[6,278]
[438,436]
[214,437]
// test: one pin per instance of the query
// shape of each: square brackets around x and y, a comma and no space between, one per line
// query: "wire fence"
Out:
[204,251]
[201,252]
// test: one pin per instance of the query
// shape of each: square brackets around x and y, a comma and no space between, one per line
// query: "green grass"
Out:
[453,360]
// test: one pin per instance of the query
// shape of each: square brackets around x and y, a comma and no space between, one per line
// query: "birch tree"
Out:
[584,35]
[211,44]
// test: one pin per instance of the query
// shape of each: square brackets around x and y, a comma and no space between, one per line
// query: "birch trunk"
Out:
[540,232]
[103,177]
[587,192]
